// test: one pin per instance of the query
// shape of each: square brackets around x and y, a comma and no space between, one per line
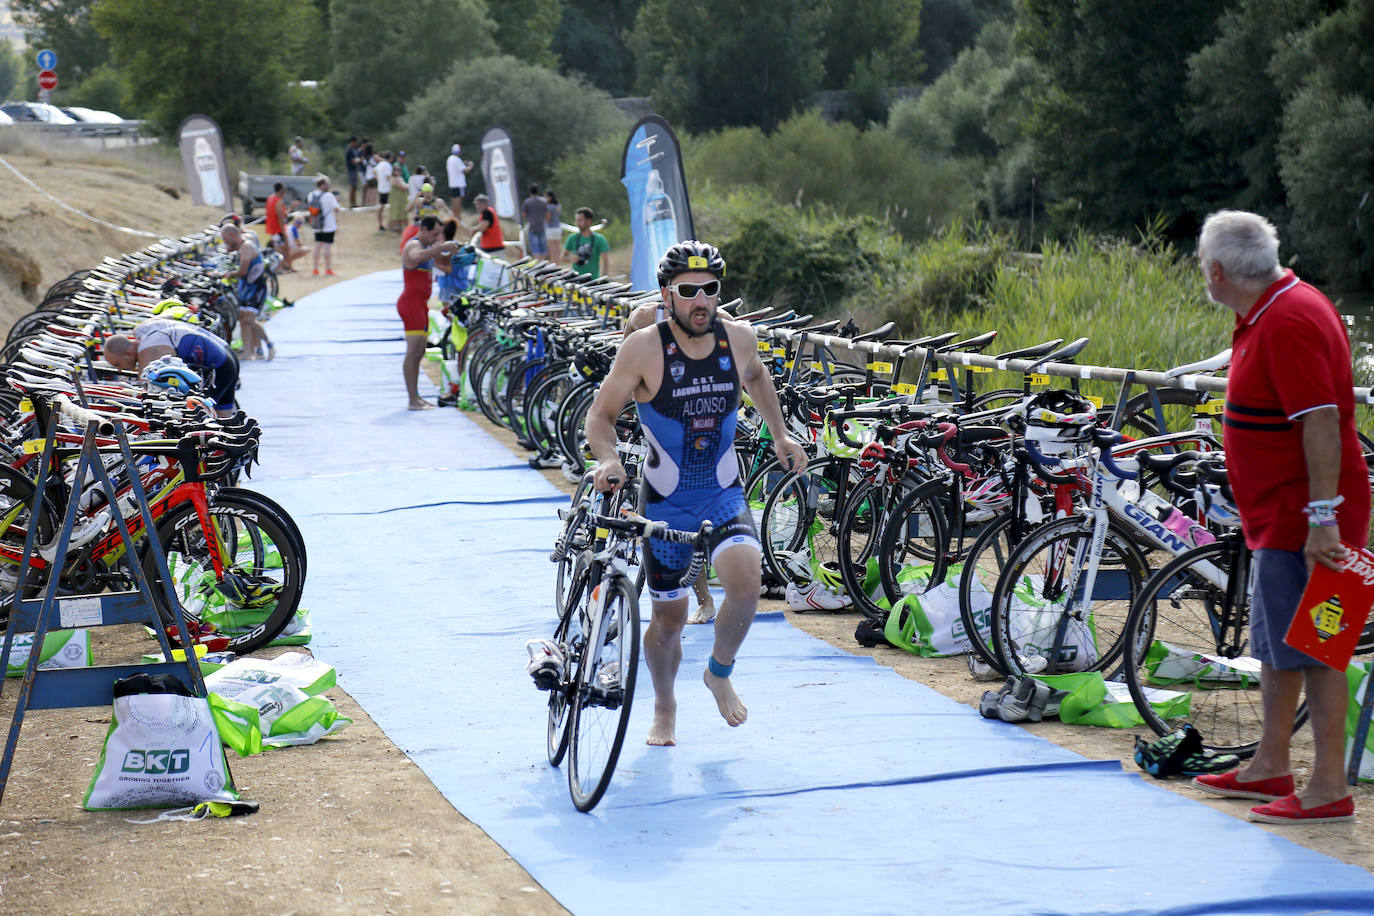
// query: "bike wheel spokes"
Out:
[1050,616]
[1185,673]
[602,696]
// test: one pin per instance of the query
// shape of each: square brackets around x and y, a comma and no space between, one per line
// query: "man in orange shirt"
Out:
[275,222]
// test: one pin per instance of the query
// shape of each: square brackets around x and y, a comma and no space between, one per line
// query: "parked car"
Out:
[92,115]
[40,112]
[5,120]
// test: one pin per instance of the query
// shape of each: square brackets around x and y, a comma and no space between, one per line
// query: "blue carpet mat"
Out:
[850,789]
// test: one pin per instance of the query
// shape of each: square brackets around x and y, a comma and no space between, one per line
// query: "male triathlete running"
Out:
[685,374]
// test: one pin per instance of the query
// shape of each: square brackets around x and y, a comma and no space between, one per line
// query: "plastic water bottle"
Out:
[660,222]
[1187,529]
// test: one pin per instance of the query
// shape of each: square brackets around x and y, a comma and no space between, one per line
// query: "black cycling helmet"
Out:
[689,255]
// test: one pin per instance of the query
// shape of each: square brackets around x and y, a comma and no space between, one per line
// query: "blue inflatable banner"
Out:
[659,212]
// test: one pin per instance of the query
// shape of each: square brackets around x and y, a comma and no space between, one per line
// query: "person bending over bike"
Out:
[684,374]
[199,349]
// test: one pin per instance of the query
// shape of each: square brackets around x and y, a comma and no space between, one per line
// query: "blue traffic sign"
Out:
[47,59]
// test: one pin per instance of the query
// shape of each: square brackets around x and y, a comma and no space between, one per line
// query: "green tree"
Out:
[66,27]
[547,116]
[874,40]
[1236,98]
[718,63]
[590,40]
[525,29]
[180,57]
[949,26]
[1109,131]
[11,69]
[1326,149]
[385,54]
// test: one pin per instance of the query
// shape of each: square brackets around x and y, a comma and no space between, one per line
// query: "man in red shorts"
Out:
[1301,486]
[417,271]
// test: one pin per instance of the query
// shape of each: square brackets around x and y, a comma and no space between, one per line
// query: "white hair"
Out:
[1246,245]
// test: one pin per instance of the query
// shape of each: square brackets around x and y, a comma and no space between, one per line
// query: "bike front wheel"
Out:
[603,693]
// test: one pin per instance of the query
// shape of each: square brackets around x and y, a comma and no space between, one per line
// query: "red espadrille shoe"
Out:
[1289,810]
[1228,786]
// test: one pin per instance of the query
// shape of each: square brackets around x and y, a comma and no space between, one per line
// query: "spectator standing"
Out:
[589,251]
[296,153]
[369,173]
[400,188]
[554,221]
[326,224]
[1294,459]
[534,212]
[488,237]
[274,222]
[353,162]
[458,169]
[383,169]
[419,177]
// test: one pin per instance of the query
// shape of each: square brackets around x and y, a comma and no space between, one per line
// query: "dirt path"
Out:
[350,824]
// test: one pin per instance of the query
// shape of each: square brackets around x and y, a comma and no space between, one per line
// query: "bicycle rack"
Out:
[81,687]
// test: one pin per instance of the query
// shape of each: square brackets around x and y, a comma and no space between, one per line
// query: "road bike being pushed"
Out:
[590,664]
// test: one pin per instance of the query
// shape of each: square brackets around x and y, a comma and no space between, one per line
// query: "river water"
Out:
[1358,309]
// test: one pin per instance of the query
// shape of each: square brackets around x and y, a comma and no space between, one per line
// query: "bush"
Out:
[848,171]
[547,115]
[781,256]
[590,177]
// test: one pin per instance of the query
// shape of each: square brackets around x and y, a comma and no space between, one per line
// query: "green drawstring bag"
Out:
[1092,700]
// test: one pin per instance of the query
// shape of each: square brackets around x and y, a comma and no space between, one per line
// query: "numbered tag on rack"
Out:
[939,375]
[25,405]
[1213,408]
[765,347]
[980,368]
[904,388]
[819,367]
[880,367]
[33,446]
[1096,402]
[1035,378]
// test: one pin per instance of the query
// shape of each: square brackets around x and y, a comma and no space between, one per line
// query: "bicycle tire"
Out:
[571,640]
[16,511]
[603,695]
[186,551]
[1178,621]
[287,522]
[899,546]
[982,568]
[799,513]
[1038,573]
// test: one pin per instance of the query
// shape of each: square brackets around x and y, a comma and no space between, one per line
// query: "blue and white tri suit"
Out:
[691,474]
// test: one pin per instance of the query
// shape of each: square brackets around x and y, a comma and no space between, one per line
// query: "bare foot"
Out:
[732,709]
[705,613]
[663,733]
[421,405]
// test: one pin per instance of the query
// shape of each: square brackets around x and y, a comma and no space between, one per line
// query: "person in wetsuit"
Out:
[685,373]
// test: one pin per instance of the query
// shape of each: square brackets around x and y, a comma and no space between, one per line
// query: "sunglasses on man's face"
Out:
[690,290]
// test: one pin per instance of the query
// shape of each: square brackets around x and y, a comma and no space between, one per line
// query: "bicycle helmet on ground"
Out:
[1057,421]
[689,255]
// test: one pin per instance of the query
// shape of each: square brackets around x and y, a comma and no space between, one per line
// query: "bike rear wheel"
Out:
[1196,638]
[254,545]
[603,693]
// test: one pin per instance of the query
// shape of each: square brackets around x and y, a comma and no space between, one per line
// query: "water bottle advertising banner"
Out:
[659,212]
[498,168]
[202,154]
